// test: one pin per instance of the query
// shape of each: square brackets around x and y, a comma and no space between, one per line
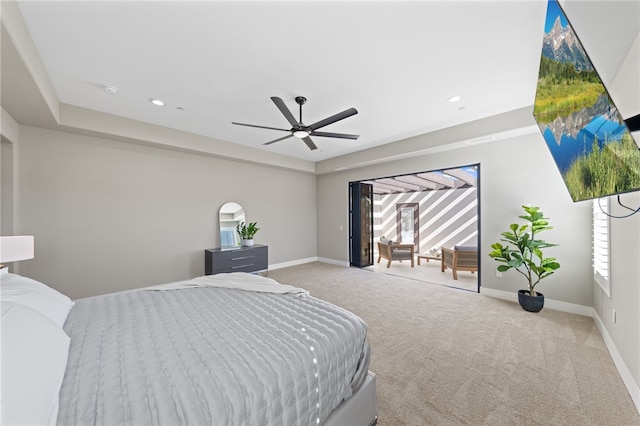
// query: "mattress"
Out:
[207,355]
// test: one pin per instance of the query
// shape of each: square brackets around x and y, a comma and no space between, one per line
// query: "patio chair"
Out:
[460,258]
[395,251]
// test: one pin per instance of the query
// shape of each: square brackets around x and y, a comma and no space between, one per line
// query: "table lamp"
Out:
[13,249]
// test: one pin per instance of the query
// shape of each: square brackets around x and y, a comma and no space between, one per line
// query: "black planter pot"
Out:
[530,303]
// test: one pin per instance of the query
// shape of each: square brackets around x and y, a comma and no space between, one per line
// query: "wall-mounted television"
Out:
[588,138]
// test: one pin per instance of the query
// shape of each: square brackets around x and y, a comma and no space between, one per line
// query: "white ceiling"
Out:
[396,62]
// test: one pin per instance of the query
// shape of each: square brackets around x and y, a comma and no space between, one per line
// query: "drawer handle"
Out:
[242,258]
[243,266]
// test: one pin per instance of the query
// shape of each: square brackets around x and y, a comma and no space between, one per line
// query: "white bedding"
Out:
[237,280]
[206,354]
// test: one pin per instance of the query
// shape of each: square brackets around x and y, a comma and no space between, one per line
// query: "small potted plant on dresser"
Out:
[247,232]
[526,256]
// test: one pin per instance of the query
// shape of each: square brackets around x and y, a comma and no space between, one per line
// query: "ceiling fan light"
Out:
[301,134]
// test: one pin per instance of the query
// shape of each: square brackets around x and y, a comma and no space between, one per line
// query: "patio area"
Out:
[428,272]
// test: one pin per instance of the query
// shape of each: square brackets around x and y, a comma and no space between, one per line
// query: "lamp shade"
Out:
[16,248]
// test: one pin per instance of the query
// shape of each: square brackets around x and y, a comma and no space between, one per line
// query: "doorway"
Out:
[431,209]
[408,223]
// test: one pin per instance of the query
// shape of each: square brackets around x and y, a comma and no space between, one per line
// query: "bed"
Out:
[226,349]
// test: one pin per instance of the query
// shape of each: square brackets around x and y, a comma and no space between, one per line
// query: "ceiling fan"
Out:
[302,131]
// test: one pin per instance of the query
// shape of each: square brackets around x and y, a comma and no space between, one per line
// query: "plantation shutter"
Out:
[601,244]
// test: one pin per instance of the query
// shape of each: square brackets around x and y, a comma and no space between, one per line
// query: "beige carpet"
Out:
[445,356]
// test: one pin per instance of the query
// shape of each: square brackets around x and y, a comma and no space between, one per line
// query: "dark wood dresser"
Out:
[236,259]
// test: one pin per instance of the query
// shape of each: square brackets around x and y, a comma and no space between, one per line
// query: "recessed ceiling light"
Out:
[156,102]
[110,89]
[454,98]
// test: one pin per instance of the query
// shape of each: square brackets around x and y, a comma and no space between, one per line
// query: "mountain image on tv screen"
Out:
[588,139]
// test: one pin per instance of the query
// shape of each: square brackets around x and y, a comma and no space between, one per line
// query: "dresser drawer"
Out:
[241,259]
[239,254]
[241,263]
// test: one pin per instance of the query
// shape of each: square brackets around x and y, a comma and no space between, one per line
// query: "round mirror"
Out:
[231,214]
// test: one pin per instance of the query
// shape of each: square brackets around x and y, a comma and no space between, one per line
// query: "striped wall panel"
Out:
[446,217]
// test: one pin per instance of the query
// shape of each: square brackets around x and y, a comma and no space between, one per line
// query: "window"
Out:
[601,244]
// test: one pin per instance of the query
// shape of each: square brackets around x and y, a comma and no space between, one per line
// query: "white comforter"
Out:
[237,281]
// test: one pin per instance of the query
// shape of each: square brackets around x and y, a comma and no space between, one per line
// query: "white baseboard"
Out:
[499,294]
[625,374]
[557,305]
[292,263]
[333,261]
[308,260]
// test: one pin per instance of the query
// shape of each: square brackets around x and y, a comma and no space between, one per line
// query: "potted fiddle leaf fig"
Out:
[523,252]
[247,232]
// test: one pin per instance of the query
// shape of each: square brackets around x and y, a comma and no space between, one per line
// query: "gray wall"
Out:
[6,186]
[109,216]
[513,172]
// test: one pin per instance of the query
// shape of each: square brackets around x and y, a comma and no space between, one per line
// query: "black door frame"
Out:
[360,225]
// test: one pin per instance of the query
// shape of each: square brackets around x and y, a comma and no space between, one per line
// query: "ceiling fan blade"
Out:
[260,127]
[278,140]
[334,135]
[339,116]
[309,143]
[285,111]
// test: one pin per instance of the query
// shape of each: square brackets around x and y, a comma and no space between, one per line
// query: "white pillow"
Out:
[35,295]
[34,358]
